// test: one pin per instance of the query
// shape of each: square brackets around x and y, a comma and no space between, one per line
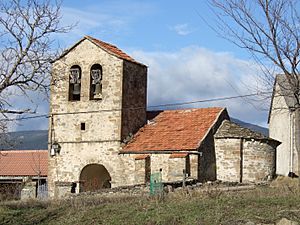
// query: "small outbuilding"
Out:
[23,174]
[176,142]
[243,155]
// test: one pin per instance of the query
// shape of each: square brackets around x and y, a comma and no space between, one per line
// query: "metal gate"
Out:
[42,191]
[156,185]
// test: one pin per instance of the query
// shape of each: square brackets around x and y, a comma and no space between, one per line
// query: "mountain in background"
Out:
[38,139]
[256,128]
[24,140]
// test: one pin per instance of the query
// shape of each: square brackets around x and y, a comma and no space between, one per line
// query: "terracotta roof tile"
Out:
[24,163]
[105,46]
[178,155]
[140,157]
[174,130]
[112,49]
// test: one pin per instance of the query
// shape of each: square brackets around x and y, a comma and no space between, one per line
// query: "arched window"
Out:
[75,83]
[96,82]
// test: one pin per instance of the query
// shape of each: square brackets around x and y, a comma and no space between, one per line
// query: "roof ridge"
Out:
[90,37]
[163,134]
[109,48]
[112,49]
[186,109]
[252,134]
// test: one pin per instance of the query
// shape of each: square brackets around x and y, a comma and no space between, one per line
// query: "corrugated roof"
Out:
[24,163]
[174,130]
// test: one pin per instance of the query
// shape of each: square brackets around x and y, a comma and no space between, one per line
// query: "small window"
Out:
[96,82]
[73,187]
[75,83]
[82,126]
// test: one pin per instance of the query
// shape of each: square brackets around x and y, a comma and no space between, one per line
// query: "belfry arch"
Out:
[94,177]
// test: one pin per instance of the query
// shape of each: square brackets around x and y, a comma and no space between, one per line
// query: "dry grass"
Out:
[209,206]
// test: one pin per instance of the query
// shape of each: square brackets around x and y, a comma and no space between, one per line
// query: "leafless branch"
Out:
[27,48]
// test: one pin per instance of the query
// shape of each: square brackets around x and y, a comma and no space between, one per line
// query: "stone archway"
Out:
[94,177]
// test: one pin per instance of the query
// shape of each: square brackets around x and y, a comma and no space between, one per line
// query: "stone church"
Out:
[101,136]
[98,97]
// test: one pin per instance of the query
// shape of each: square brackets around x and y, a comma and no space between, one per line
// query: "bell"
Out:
[76,90]
[97,89]
[52,152]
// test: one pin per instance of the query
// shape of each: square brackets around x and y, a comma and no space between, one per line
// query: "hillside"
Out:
[24,140]
[262,130]
[262,205]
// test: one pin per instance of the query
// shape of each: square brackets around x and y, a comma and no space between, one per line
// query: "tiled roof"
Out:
[174,130]
[112,49]
[24,163]
[106,47]
[140,157]
[178,155]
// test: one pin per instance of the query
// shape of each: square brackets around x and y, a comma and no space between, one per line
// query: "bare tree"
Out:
[27,47]
[270,31]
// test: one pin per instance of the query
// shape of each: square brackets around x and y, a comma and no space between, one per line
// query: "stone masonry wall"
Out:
[134,98]
[258,161]
[228,159]
[172,168]
[140,171]
[194,166]
[100,141]
[207,162]
[176,167]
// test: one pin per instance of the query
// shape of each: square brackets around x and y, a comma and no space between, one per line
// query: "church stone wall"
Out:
[134,98]
[100,141]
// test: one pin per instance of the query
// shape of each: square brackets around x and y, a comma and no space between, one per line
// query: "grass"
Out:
[261,205]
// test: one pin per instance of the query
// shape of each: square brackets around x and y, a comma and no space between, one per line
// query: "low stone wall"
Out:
[228,159]
[258,161]
[244,160]
[171,168]
[28,191]
[169,188]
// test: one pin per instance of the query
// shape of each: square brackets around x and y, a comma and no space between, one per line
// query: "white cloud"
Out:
[195,73]
[182,29]
[189,74]
[89,21]
[109,19]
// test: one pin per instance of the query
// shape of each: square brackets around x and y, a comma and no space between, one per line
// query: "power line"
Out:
[153,106]
[26,118]
[209,100]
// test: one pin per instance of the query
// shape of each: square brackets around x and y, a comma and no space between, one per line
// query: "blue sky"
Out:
[186,58]
[146,25]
